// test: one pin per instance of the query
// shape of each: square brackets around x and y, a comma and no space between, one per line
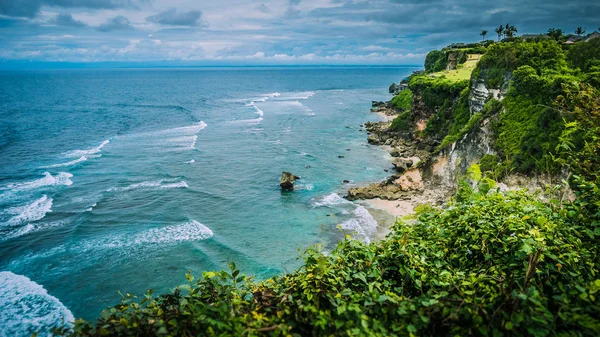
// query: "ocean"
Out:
[124,179]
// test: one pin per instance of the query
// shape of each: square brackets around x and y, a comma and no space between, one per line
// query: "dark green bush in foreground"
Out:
[490,265]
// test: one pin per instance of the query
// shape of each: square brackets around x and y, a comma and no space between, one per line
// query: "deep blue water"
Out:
[125,179]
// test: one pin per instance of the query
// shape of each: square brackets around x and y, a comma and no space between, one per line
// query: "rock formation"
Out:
[287,181]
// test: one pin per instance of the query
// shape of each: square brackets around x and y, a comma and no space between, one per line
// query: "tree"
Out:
[580,31]
[499,31]
[510,31]
[555,33]
[483,34]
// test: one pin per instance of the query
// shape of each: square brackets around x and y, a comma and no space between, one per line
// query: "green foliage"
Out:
[436,91]
[585,56]
[488,162]
[402,122]
[454,137]
[489,265]
[403,101]
[546,54]
[436,60]
[492,107]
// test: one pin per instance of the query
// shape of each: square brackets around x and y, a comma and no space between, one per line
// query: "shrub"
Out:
[436,60]
[489,265]
[403,101]
[402,122]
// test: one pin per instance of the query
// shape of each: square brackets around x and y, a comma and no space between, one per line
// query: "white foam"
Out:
[87,152]
[330,200]
[258,111]
[308,187]
[160,184]
[190,130]
[72,162]
[31,212]
[62,178]
[31,228]
[188,231]
[275,94]
[195,139]
[298,95]
[363,226]
[26,307]
[191,161]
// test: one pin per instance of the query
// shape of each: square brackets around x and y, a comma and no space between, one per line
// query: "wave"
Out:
[160,185]
[330,200]
[191,230]
[72,162]
[188,231]
[26,307]
[31,228]
[363,226]
[275,94]
[191,161]
[87,152]
[258,111]
[187,130]
[300,95]
[62,178]
[32,212]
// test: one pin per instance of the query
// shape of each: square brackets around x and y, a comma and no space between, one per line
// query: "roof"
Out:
[574,38]
[592,36]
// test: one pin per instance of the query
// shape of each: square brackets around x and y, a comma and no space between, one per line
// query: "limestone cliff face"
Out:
[452,162]
[481,91]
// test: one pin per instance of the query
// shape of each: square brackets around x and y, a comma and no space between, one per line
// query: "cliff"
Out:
[502,118]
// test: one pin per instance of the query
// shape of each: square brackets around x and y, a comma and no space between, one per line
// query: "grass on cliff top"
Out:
[463,71]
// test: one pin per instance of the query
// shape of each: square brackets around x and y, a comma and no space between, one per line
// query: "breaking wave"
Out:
[62,178]
[330,200]
[87,152]
[159,185]
[363,226]
[32,212]
[26,308]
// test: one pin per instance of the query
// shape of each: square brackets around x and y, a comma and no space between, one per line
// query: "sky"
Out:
[266,32]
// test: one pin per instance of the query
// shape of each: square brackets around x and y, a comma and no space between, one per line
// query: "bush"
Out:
[403,101]
[489,265]
[402,122]
[436,60]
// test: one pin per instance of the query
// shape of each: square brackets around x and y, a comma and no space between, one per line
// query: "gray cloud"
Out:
[117,23]
[66,20]
[174,18]
[368,31]
[31,8]
[263,8]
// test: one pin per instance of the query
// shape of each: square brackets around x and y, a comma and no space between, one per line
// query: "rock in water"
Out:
[287,181]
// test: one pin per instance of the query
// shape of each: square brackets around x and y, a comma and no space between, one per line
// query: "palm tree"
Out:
[555,33]
[483,34]
[580,31]
[499,31]
[510,31]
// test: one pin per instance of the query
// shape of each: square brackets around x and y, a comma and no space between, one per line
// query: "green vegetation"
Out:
[491,264]
[435,60]
[403,101]
[402,122]
[528,131]
[436,92]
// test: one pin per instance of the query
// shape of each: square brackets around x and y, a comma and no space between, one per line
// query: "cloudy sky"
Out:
[266,31]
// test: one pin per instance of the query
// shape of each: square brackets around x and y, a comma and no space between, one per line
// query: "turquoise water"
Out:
[125,179]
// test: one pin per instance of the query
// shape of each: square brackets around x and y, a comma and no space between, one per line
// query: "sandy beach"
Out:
[397,208]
